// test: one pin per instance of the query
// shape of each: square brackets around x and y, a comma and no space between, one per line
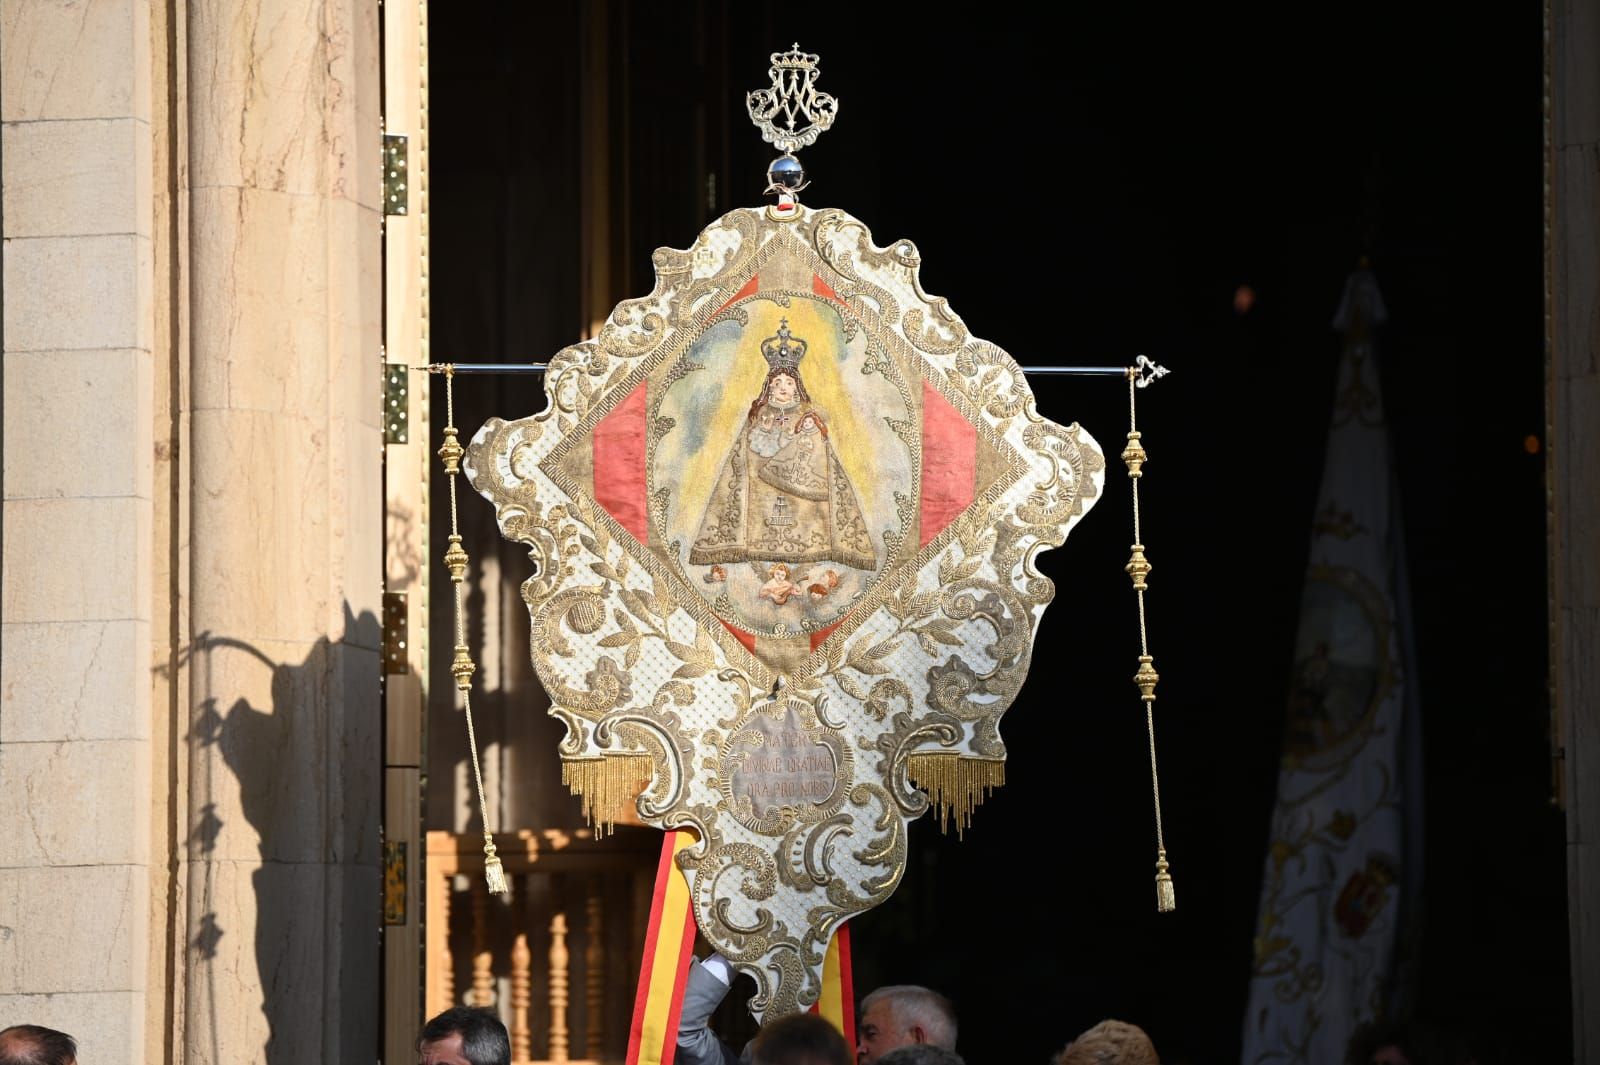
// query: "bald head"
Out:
[29,1044]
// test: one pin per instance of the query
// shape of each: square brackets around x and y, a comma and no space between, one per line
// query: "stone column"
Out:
[285,531]
[1574,459]
[76,804]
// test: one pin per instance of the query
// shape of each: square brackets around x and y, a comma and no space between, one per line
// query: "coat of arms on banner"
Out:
[783,514]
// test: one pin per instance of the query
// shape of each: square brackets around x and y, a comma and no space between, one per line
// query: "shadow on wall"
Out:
[308,765]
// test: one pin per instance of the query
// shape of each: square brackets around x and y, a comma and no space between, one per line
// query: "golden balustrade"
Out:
[576,919]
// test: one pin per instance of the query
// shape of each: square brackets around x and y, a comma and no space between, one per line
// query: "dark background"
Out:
[1086,187]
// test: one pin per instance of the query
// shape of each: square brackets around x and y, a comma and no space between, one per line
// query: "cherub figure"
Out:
[825,584]
[778,587]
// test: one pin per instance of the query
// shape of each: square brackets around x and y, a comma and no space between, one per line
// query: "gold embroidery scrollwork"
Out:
[895,746]
[632,337]
[805,850]
[608,683]
[843,254]
[991,380]
[926,332]
[658,731]
[887,851]
[746,940]
[570,380]
[1055,502]
[952,686]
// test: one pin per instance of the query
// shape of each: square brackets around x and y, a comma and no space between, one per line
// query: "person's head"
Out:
[921,1054]
[29,1044]
[1110,1043]
[800,1039]
[778,572]
[464,1036]
[903,1015]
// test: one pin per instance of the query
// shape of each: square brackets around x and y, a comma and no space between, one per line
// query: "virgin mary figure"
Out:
[781,495]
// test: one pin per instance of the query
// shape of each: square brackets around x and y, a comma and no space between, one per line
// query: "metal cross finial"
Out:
[793,94]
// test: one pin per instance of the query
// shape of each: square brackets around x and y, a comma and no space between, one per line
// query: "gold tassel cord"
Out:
[955,782]
[462,667]
[1138,568]
[606,783]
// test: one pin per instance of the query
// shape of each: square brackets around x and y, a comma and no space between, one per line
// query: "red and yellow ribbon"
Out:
[668,948]
[838,1001]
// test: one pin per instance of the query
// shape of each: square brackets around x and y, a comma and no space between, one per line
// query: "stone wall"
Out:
[76,794]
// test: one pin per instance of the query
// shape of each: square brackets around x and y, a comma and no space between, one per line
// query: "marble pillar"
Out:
[190,755]
[283,862]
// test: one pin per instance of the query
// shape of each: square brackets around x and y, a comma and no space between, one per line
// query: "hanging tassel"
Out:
[1146,678]
[494,874]
[1166,899]
[461,666]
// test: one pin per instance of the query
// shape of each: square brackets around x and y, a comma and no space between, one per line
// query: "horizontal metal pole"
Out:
[539,368]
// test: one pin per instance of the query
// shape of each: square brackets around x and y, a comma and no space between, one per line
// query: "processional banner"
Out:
[1343,863]
[783,514]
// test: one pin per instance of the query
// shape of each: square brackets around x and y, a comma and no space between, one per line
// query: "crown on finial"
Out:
[784,351]
[795,59]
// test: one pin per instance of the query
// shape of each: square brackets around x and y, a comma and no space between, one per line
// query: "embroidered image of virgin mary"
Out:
[781,495]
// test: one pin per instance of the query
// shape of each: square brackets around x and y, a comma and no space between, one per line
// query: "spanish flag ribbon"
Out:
[668,949]
[837,1003]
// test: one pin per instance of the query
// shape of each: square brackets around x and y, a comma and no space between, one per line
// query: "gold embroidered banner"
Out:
[783,514]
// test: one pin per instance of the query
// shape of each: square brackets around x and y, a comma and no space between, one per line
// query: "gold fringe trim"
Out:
[955,782]
[605,784]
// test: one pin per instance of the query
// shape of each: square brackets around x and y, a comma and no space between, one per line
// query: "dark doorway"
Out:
[1155,165]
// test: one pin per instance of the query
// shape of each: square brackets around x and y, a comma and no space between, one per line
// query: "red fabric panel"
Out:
[949,463]
[750,289]
[746,638]
[820,635]
[822,288]
[619,482]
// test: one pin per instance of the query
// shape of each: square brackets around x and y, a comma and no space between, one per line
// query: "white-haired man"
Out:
[903,1015]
